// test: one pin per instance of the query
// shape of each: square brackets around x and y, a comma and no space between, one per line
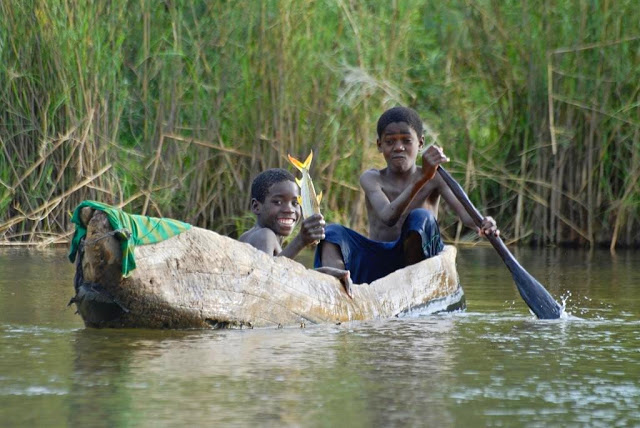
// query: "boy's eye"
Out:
[295,203]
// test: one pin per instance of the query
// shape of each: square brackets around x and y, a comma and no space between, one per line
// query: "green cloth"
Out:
[144,230]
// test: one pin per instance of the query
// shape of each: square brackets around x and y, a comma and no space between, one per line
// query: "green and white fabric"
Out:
[144,230]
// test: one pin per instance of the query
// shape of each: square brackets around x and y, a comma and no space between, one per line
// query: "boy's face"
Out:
[399,143]
[280,210]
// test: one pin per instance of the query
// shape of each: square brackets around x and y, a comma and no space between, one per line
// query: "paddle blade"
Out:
[541,303]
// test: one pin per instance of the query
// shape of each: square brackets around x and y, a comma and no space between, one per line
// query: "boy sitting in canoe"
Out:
[274,201]
[402,205]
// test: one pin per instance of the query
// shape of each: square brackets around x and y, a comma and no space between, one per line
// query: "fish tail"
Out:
[319,197]
[295,162]
[307,162]
[301,165]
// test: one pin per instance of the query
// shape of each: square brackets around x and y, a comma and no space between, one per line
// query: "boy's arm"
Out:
[488,223]
[311,231]
[431,158]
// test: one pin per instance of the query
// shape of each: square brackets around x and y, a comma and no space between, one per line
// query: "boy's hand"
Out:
[312,229]
[344,276]
[431,158]
[346,282]
[489,227]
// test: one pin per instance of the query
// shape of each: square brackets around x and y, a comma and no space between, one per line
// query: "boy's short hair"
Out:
[400,114]
[263,181]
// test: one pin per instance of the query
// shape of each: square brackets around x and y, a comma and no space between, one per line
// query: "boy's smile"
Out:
[280,210]
[399,144]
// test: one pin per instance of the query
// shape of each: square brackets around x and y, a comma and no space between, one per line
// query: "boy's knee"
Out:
[332,228]
[422,218]
[421,213]
[425,224]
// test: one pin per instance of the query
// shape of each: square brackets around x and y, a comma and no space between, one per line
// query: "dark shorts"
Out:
[368,260]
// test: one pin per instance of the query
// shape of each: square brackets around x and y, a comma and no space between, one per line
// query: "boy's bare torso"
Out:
[428,197]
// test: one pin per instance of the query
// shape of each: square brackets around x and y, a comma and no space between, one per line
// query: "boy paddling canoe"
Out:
[402,205]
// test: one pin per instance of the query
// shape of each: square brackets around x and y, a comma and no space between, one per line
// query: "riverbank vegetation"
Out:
[170,108]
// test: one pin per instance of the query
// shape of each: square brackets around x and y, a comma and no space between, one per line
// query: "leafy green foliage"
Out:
[188,101]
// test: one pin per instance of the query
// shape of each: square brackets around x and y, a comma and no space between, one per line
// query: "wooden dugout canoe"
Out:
[200,279]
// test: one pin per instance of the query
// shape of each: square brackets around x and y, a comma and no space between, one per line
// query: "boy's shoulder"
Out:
[369,178]
[372,173]
[257,235]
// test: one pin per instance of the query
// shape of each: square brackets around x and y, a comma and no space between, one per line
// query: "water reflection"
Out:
[491,365]
[287,376]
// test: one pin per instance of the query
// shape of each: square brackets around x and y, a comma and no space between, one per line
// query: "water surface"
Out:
[491,365]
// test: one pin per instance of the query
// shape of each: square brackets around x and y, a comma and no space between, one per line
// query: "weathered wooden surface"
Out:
[200,279]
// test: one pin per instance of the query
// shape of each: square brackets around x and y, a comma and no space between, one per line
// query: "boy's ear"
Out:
[256,206]
[378,143]
[421,142]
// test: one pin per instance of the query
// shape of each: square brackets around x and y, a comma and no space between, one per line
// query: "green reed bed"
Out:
[170,108]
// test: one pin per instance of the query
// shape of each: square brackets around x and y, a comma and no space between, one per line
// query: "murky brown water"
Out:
[493,365]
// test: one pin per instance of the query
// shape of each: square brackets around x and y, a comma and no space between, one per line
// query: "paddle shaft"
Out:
[533,293]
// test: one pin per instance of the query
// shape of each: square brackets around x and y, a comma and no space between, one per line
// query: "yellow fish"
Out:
[308,200]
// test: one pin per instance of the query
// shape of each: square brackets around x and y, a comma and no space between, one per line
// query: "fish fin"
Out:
[319,197]
[307,162]
[299,165]
[298,182]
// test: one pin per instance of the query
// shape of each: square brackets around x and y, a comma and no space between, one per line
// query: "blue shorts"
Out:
[368,260]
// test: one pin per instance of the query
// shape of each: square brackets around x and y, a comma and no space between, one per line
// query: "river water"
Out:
[491,365]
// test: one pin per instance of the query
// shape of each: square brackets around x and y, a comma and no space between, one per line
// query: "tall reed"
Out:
[171,108]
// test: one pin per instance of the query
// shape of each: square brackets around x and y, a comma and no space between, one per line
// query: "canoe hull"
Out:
[200,279]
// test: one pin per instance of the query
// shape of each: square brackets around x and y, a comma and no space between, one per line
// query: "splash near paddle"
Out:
[309,201]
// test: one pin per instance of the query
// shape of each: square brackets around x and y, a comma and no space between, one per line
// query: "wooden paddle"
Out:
[532,292]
